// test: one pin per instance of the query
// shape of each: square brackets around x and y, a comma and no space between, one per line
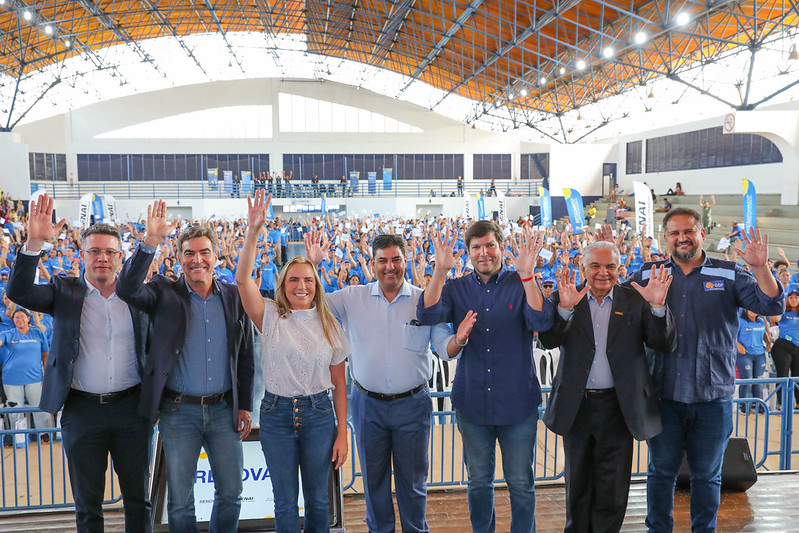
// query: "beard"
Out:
[684,256]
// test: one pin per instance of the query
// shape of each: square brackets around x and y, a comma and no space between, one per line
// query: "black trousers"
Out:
[786,360]
[90,431]
[599,455]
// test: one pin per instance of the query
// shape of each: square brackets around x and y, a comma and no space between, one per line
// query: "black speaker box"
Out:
[737,471]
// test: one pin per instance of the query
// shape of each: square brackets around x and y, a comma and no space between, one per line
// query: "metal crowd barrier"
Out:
[201,189]
[35,476]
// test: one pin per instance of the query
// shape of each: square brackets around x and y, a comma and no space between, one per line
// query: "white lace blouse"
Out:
[295,354]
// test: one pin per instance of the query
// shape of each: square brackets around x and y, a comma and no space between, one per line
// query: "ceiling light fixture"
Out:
[27,15]
[67,43]
[640,37]
[580,64]
[48,30]
[542,81]
[683,19]
[562,71]
[608,52]
[523,92]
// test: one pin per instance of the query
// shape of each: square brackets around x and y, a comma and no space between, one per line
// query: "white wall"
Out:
[578,166]
[14,166]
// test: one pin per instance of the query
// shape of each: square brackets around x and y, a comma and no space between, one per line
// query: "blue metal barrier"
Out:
[200,189]
[35,475]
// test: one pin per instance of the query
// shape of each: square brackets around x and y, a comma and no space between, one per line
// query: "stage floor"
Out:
[767,506]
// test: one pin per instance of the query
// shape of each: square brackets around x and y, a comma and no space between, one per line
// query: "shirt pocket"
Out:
[722,371]
[416,339]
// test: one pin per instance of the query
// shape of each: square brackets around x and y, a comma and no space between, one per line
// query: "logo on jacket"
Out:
[714,285]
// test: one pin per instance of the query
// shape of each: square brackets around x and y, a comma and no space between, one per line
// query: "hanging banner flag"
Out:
[324,204]
[546,207]
[213,176]
[387,178]
[643,209]
[354,177]
[503,214]
[750,207]
[228,179]
[467,205]
[270,213]
[100,208]
[574,204]
[481,207]
[372,182]
[246,182]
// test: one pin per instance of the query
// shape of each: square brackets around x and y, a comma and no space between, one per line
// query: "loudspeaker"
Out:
[737,471]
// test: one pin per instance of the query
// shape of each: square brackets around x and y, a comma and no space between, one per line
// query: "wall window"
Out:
[635,156]
[708,148]
[535,166]
[165,167]
[405,166]
[487,166]
[47,167]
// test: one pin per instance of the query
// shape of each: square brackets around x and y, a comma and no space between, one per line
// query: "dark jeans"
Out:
[90,431]
[786,359]
[700,432]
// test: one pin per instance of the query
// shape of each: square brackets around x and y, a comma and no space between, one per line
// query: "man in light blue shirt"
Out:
[390,364]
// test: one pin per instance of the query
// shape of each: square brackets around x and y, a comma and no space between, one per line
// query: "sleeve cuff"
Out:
[659,312]
[146,248]
[566,315]
[25,251]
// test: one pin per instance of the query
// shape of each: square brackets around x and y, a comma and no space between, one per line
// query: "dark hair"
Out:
[386,240]
[21,310]
[194,232]
[100,229]
[780,263]
[481,228]
[683,211]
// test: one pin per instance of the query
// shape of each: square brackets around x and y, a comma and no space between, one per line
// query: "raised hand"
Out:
[445,259]
[657,289]
[315,242]
[756,251]
[257,208]
[527,248]
[567,290]
[40,225]
[465,328]
[158,226]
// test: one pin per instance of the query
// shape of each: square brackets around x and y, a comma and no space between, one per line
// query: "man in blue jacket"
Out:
[201,366]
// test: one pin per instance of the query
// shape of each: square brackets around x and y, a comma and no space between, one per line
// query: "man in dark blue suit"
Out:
[94,369]
[201,367]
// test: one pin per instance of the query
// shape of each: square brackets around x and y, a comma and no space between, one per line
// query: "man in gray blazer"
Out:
[603,395]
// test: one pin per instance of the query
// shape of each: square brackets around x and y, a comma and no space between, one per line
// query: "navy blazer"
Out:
[168,304]
[631,328]
[63,299]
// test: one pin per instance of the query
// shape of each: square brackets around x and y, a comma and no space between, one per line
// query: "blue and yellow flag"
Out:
[750,207]
[546,207]
[481,207]
[574,204]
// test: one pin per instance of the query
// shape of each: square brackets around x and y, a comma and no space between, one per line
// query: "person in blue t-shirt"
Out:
[5,320]
[753,343]
[785,351]
[268,274]
[23,352]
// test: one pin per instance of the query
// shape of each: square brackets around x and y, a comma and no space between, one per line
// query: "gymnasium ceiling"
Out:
[559,70]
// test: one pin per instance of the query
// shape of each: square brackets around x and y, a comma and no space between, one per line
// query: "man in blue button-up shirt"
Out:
[496,392]
[698,379]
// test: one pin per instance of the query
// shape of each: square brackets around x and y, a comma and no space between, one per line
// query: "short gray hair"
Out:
[601,245]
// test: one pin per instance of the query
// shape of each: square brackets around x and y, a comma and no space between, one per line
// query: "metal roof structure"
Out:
[528,65]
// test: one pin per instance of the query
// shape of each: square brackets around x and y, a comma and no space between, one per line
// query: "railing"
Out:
[35,475]
[201,189]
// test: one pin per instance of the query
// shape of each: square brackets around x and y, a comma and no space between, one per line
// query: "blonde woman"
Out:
[302,356]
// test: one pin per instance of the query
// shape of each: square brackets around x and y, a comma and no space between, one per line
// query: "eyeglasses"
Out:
[95,252]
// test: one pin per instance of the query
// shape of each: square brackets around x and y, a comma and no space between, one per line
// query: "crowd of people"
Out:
[150,320]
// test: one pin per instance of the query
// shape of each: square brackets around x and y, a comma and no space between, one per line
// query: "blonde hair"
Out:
[329,322]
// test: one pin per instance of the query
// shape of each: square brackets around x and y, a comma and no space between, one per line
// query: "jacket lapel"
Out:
[617,319]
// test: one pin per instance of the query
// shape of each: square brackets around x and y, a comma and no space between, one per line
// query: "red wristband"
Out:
[526,279]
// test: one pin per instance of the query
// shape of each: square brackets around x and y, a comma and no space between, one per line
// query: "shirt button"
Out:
[489,370]
[489,389]
[488,329]
[209,379]
[488,290]
[486,308]
[488,349]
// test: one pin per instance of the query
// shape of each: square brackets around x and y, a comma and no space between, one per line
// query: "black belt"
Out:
[109,397]
[208,399]
[600,393]
[389,397]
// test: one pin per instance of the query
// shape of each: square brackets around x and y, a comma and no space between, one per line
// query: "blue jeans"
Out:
[517,444]
[700,431]
[185,431]
[397,430]
[299,433]
[750,366]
